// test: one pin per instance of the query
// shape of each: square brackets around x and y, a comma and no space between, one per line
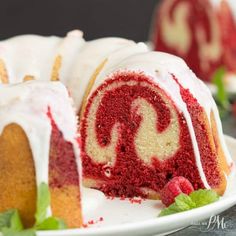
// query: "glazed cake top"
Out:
[27,104]
[91,55]
[34,55]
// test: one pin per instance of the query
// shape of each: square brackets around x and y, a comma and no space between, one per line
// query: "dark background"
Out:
[97,18]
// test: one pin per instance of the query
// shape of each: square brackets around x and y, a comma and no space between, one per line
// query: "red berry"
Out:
[173,188]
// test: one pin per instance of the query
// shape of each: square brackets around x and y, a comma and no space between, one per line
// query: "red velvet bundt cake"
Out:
[146,120]
[202,32]
[38,145]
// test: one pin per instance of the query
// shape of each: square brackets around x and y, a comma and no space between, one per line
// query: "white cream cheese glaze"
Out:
[35,55]
[160,67]
[92,54]
[117,57]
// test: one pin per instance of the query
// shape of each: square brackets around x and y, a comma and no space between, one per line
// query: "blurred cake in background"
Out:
[202,32]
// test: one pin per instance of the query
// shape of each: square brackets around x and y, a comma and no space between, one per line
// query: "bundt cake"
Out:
[147,119]
[202,32]
[38,144]
[144,119]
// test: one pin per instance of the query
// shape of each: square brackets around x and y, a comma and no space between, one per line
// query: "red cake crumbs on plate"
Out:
[93,222]
[135,200]
[110,197]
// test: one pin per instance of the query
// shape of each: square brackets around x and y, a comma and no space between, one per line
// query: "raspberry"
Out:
[173,188]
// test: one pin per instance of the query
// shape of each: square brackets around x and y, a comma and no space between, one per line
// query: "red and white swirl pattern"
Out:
[134,139]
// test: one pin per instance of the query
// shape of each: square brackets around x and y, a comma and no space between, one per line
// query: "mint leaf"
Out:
[196,199]
[11,225]
[11,232]
[52,223]
[173,208]
[5,218]
[16,223]
[10,219]
[203,197]
[184,202]
[221,95]
[43,201]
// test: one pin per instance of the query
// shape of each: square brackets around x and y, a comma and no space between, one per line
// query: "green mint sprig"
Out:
[11,224]
[184,202]
[222,97]
[43,201]
[41,220]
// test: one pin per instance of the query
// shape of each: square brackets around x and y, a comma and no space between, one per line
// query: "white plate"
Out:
[123,218]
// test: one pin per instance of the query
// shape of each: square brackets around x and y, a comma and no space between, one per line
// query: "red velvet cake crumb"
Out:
[110,197]
[175,187]
[91,222]
[135,200]
[79,141]
[122,198]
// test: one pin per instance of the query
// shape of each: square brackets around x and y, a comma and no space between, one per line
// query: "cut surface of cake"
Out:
[146,120]
[202,32]
[38,144]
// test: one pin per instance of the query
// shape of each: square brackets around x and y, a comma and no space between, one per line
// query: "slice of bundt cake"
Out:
[38,144]
[148,119]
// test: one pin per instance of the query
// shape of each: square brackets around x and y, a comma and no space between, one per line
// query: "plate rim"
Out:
[224,202]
